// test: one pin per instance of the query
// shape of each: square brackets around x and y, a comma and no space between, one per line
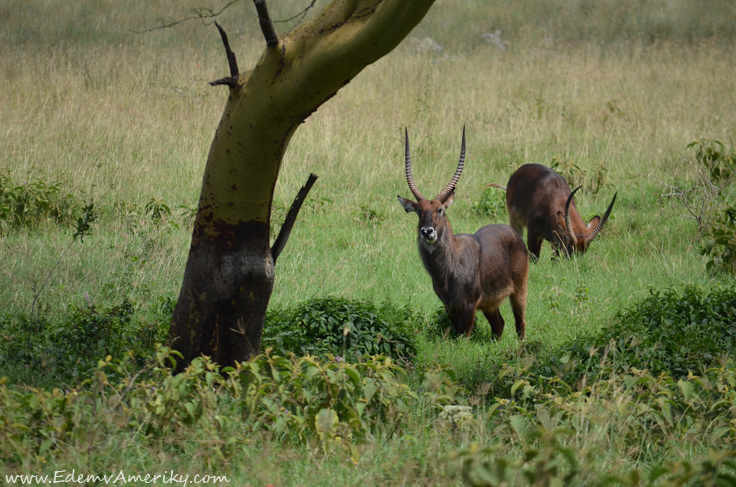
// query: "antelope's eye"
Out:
[439,212]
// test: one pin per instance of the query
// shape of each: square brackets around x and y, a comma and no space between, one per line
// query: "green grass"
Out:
[119,118]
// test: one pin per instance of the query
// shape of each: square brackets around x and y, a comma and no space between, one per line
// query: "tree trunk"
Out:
[229,274]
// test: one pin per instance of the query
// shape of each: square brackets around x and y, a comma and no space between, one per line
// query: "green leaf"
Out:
[45,446]
[516,385]
[354,376]
[325,421]
[687,389]
[369,389]
[190,408]
[518,423]
[657,472]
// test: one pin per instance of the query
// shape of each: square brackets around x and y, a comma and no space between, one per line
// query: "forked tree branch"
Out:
[696,201]
[301,14]
[266,26]
[202,14]
[232,80]
[285,231]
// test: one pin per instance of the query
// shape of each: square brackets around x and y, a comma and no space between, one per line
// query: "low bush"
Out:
[69,349]
[554,463]
[633,411]
[719,162]
[492,203]
[305,397]
[719,243]
[673,332]
[29,203]
[439,324]
[676,332]
[342,327]
[326,403]
[568,169]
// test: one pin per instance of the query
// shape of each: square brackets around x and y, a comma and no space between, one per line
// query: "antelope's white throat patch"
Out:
[428,244]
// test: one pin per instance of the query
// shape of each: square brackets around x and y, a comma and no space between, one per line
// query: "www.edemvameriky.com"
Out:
[119,478]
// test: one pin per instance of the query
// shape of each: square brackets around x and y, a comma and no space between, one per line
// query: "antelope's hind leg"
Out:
[516,222]
[518,306]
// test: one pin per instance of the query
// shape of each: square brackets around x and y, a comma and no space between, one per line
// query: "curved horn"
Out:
[409,176]
[568,223]
[451,185]
[603,220]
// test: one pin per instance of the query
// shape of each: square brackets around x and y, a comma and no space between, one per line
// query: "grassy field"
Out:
[611,91]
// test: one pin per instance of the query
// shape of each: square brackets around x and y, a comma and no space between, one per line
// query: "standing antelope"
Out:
[469,272]
[540,200]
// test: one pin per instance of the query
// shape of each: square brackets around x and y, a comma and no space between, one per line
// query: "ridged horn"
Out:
[603,220]
[409,176]
[451,185]
[568,223]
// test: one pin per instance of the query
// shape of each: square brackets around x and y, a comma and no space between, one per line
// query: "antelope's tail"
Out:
[497,186]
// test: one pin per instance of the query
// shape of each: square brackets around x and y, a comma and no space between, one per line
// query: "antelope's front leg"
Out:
[496,321]
[463,319]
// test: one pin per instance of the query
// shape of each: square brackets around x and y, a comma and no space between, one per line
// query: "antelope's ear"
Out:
[594,221]
[408,205]
[448,201]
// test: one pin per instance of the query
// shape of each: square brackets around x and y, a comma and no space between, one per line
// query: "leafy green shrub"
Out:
[89,335]
[368,214]
[341,327]
[720,243]
[598,180]
[574,174]
[157,210]
[24,205]
[678,332]
[304,400]
[326,399]
[554,463]
[154,213]
[70,348]
[440,325]
[634,411]
[492,203]
[550,464]
[713,155]
[705,194]
[667,332]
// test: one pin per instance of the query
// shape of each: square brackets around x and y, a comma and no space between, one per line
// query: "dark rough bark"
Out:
[227,286]
[232,61]
[264,19]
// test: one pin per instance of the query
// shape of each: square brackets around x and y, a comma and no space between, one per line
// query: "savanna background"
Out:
[626,375]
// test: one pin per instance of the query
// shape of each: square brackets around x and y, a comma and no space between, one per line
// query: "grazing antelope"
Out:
[540,200]
[469,272]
